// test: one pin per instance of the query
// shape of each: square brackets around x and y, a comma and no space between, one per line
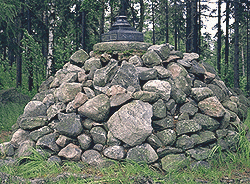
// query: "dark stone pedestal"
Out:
[122,31]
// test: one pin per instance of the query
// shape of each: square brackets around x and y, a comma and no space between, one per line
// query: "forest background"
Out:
[37,37]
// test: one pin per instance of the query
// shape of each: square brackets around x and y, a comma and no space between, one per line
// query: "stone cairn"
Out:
[162,107]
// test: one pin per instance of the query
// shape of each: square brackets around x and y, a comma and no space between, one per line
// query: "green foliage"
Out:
[7,77]
[7,11]
[34,63]
[63,49]
[9,114]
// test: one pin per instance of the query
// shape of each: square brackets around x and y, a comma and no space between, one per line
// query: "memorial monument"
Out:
[121,36]
[121,30]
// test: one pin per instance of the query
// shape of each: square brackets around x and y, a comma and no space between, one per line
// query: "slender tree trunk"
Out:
[175,27]
[153,20]
[102,18]
[188,27]
[83,31]
[219,38]
[45,37]
[195,26]
[51,40]
[133,12]
[18,50]
[236,42]
[248,51]
[226,37]
[11,56]
[192,26]
[4,52]
[199,29]
[142,8]
[166,11]
[30,68]
[243,61]
[112,18]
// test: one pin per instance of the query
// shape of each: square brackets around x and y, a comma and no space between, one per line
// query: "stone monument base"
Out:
[121,46]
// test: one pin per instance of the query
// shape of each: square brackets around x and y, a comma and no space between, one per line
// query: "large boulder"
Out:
[67,92]
[142,153]
[212,107]
[96,108]
[33,122]
[151,59]
[114,152]
[174,162]
[48,141]
[133,118]
[69,125]
[79,57]
[71,152]
[163,88]
[126,76]
[104,75]
[34,109]
[92,157]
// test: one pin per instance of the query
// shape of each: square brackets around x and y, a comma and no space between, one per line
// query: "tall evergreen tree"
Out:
[236,42]
[192,26]
[167,22]
[141,20]
[219,39]
[248,48]
[227,36]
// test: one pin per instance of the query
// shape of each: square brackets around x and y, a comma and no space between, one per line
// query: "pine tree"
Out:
[236,42]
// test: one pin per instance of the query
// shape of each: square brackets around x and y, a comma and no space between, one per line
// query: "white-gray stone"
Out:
[142,153]
[158,86]
[35,108]
[71,152]
[96,108]
[132,122]
[114,152]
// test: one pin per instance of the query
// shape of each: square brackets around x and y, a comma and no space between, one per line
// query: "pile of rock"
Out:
[161,108]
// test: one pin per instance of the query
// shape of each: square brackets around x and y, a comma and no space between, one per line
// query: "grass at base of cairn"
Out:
[8,117]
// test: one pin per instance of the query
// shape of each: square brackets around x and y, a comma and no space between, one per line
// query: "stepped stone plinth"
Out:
[121,46]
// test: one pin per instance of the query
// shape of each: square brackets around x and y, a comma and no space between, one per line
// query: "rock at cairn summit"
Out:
[151,104]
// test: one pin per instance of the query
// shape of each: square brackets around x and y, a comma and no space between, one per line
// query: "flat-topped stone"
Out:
[121,46]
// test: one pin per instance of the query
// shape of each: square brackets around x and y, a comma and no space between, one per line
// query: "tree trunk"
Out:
[102,18]
[83,31]
[18,50]
[243,61]
[188,27]
[4,52]
[236,42]
[133,12]
[11,55]
[51,40]
[142,8]
[226,37]
[112,18]
[195,26]
[30,68]
[199,29]
[219,38]
[192,27]
[166,11]
[45,36]
[175,27]
[153,20]
[248,52]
